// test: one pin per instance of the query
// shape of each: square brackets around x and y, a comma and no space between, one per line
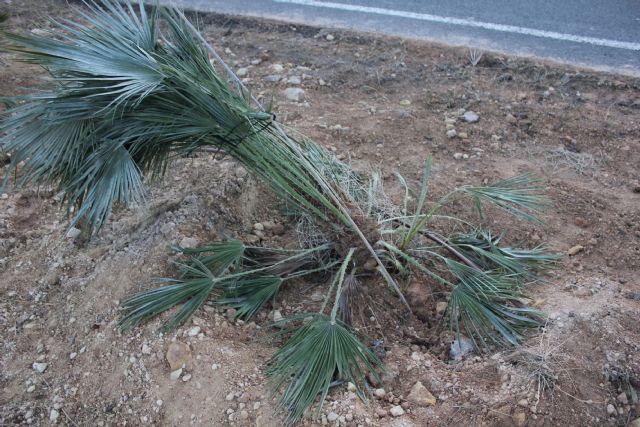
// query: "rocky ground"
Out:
[385,104]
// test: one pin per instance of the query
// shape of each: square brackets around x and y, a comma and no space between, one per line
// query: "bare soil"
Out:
[380,102]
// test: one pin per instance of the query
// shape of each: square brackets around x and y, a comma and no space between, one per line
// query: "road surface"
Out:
[593,33]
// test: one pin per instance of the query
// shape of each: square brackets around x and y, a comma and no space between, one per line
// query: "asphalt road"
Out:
[593,33]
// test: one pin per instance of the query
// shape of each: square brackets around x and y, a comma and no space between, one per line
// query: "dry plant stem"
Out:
[453,250]
[294,146]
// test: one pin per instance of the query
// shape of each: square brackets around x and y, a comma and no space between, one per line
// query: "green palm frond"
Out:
[249,294]
[485,305]
[318,354]
[515,195]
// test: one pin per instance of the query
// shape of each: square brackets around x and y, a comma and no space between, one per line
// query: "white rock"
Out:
[53,416]
[277,316]
[242,72]
[294,94]
[332,416]
[273,78]
[380,393]
[294,80]
[396,411]
[611,409]
[186,378]
[277,67]
[73,233]
[40,367]
[470,117]
[175,374]
[188,242]
[258,226]
[73,355]
[146,349]
[458,156]
[330,37]
[451,133]
[194,331]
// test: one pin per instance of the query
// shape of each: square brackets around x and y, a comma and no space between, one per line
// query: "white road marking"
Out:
[468,23]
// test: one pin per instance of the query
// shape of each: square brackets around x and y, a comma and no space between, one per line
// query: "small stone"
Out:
[230,397]
[242,72]
[463,135]
[470,117]
[31,388]
[396,411]
[458,156]
[277,67]
[257,61]
[421,396]
[450,121]
[381,413]
[272,78]
[178,355]
[243,415]
[277,316]
[186,378]
[73,233]
[329,37]
[258,226]
[53,416]
[146,349]
[405,102]
[73,355]
[574,250]
[4,196]
[40,367]
[380,393]
[174,375]
[294,94]
[611,409]
[441,307]
[188,242]
[523,402]
[519,419]
[294,80]
[460,347]
[511,119]
[351,386]
[451,133]
[332,416]
[194,331]
[622,398]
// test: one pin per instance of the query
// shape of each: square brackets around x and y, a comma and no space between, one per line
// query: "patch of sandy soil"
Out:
[382,103]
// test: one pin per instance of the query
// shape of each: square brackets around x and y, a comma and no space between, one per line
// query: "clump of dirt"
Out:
[384,104]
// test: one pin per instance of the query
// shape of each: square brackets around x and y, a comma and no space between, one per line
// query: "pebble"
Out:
[4,196]
[421,396]
[273,78]
[73,233]
[178,355]
[451,133]
[381,412]
[470,117]
[188,242]
[351,386]
[463,135]
[396,411]
[574,250]
[380,393]
[242,72]
[174,375]
[277,67]
[294,94]
[460,156]
[194,331]
[441,307]
[258,226]
[146,349]
[460,348]
[277,316]
[186,378]
[330,37]
[405,102]
[31,388]
[332,416]
[73,355]
[53,416]
[294,80]
[40,367]
[622,398]
[523,402]
[611,409]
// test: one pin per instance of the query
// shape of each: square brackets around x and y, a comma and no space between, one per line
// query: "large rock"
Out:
[178,355]
[421,396]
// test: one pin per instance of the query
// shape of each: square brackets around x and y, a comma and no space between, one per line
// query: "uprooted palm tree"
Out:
[124,97]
